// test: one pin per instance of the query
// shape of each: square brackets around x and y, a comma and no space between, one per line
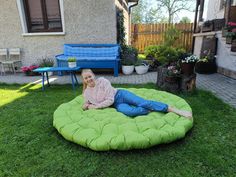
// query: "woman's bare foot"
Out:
[186,114]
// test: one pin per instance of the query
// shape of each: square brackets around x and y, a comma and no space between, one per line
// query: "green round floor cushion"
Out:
[107,129]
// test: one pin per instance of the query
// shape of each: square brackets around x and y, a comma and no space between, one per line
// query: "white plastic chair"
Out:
[3,55]
[15,56]
[14,52]
[12,60]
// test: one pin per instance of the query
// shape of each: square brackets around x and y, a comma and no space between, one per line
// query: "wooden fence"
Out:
[143,35]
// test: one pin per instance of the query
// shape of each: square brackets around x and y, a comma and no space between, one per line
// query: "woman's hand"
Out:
[91,106]
[85,107]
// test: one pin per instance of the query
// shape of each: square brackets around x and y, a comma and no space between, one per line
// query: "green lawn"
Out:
[31,146]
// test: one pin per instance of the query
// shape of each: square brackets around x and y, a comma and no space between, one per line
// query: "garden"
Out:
[31,146]
[176,66]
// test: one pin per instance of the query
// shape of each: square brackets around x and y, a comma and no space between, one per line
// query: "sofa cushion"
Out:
[91,51]
[85,58]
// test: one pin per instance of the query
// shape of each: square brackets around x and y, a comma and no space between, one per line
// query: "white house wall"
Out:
[213,11]
[86,21]
[225,59]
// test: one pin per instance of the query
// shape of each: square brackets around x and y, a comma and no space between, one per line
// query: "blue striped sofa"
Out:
[91,56]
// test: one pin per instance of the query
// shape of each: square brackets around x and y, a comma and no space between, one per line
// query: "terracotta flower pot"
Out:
[187,68]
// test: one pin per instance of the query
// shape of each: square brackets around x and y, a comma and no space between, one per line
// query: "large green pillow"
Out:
[107,129]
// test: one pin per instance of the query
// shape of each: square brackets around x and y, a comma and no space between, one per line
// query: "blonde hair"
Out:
[86,71]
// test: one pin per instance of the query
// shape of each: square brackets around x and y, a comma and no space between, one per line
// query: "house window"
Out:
[43,15]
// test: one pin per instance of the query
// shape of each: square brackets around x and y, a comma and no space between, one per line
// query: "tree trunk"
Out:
[161,73]
[188,83]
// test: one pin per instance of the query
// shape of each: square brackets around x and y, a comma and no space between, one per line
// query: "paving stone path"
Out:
[223,87]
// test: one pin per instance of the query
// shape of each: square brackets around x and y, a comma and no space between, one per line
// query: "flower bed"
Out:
[28,70]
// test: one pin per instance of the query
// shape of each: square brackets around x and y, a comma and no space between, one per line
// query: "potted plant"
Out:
[46,62]
[207,26]
[71,62]
[165,55]
[231,25]
[129,57]
[230,36]
[188,63]
[206,64]
[228,28]
[233,45]
[141,67]
[127,66]
[172,74]
[218,24]
[28,70]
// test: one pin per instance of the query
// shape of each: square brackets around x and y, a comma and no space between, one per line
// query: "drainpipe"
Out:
[132,6]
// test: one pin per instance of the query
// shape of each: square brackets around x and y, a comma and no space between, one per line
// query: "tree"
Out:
[172,7]
[164,20]
[185,20]
[138,12]
[152,16]
[144,12]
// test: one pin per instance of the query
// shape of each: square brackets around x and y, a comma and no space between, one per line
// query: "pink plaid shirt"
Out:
[102,95]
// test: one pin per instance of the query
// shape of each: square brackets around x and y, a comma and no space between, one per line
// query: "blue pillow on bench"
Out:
[91,51]
[80,58]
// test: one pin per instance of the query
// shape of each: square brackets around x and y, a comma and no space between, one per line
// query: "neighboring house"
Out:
[41,27]
[217,9]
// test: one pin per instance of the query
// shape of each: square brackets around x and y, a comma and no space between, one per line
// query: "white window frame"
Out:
[21,10]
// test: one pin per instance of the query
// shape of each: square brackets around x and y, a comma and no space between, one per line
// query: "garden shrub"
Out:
[171,36]
[162,53]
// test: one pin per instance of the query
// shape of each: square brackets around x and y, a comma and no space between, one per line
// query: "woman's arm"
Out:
[86,103]
[109,96]
[106,103]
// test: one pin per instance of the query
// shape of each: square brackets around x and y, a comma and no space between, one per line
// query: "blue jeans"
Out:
[133,105]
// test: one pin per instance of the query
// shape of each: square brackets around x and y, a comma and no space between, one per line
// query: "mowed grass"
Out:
[31,146]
